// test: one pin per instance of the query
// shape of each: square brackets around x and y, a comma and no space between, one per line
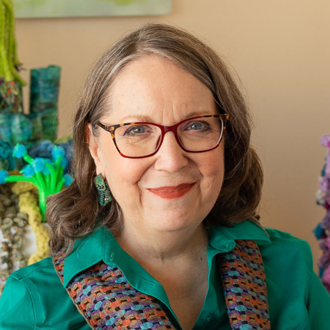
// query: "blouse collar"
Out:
[101,245]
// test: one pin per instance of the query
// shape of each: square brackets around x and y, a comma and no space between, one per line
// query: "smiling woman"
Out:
[160,228]
[168,172]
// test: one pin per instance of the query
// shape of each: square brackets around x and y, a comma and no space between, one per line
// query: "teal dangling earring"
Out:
[103,191]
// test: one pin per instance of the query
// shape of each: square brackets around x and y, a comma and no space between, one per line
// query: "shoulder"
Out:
[296,296]
[287,252]
[37,282]
[25,292]
[38,295]
[38,278]
[42,268]
[283,241]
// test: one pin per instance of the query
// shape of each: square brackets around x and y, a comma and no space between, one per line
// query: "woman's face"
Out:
[173,189]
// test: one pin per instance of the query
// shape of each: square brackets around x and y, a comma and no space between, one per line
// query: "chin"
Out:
[173,222]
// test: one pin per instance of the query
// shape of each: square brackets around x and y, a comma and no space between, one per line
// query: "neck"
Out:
[163,246]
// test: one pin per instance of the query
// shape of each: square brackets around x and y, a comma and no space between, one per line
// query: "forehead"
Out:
[155,87]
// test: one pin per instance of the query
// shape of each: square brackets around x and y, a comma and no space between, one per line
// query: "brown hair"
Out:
[72,212]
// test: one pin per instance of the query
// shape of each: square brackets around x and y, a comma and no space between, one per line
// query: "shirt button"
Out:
[208,317]
[229,246]
[112,256]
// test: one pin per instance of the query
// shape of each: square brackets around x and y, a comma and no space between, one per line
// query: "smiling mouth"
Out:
[172,192]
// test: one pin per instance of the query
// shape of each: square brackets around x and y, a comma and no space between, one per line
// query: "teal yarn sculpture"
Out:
[45,174]
[44,91]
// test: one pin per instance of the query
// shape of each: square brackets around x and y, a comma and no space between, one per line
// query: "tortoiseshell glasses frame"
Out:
[161,130]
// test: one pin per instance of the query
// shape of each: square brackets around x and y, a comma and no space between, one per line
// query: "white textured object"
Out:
[29,245]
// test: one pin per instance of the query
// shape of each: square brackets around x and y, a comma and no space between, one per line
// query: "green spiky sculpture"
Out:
[10,80]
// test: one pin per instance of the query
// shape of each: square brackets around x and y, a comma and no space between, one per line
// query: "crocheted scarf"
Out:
[106,300]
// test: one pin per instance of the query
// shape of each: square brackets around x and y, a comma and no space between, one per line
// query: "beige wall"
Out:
[281,51]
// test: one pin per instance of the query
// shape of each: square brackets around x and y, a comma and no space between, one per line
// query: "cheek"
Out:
[213,171]
[123,174]
[214,177]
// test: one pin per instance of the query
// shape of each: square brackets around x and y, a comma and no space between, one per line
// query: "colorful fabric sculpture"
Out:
[41,123]
[26,130]
[323,229]
[14,126]
[45,174]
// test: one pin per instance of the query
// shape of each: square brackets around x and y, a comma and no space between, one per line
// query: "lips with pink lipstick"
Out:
[170,192]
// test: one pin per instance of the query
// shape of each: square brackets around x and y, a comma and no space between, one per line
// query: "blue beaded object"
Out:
[103,191]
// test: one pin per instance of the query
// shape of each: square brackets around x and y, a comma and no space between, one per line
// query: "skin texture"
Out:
[162,230]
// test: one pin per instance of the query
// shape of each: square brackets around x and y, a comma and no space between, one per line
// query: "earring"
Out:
[103,191]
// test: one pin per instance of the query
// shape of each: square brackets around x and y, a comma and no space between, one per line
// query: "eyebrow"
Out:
[143,118]
[137,118]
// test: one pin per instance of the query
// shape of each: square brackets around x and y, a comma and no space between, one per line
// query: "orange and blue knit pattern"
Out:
[244,283]
[107,301]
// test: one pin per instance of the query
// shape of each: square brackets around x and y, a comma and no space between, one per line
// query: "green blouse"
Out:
[34,297]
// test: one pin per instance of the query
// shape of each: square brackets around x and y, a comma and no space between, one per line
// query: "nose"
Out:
[170,156]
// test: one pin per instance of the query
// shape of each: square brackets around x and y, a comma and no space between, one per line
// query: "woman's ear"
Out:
[93,147]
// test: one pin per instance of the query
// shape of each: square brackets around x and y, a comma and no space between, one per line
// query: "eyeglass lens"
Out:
[195,135]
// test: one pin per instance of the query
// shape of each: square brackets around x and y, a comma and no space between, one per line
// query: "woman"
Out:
[159,229]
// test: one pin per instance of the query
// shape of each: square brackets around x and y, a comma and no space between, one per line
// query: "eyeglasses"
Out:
[143,139]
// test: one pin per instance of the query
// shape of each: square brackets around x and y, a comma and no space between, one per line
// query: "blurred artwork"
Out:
[88,8]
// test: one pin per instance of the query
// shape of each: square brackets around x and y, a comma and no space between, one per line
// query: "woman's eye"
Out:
[137,130]
[198,126]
